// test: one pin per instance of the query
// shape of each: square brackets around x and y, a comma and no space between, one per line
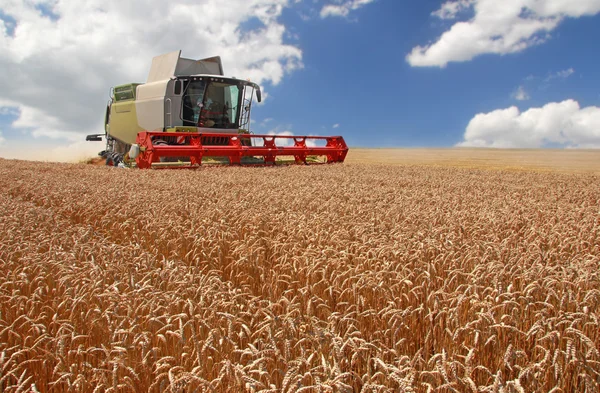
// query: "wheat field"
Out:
[336,278]
[544,160]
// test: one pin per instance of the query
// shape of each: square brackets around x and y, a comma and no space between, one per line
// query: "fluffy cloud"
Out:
[521,94]
[2,140]
[498,27]
[279,141]
[285,131]
[563,124]
[450,9]
[342,8]
[59,57]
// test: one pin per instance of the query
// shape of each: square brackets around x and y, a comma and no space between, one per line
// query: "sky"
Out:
[381,73]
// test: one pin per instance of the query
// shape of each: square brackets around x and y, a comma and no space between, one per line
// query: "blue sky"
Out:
[382,73]
[356,75]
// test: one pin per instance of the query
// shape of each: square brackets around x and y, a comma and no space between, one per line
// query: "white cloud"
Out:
[265,121]
[281,133]
[285,131]
[559,124]
[55,73]
[342,8]
[2,140]
[521,94]
[281,141]
[560,75]
[336,125]
[498,27]
[450,9]
[536,83]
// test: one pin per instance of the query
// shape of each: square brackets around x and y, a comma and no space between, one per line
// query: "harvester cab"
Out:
[188,113]
[215,103]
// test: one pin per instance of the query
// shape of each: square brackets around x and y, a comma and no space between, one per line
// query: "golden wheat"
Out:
[353,278]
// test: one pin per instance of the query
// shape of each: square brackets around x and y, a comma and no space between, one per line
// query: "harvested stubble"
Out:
[350,278]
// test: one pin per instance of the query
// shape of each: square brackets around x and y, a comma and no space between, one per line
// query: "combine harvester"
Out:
[188,111]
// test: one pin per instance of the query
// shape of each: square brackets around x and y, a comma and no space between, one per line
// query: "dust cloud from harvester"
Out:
[337,278]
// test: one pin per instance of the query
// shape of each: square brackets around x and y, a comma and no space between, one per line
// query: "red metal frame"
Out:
[237,147]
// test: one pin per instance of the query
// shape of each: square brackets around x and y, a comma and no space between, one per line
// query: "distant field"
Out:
[511,159]
[434,276]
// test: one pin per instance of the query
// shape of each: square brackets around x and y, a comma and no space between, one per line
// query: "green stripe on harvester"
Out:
[125,92]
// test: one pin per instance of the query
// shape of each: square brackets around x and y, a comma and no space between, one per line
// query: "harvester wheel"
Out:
[114,159]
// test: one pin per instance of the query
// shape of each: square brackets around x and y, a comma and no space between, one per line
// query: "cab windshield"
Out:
[211,104]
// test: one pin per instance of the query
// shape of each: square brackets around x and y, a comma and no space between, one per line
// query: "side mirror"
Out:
[258,94]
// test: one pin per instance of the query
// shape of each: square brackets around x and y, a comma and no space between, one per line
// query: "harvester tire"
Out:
[114,159]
